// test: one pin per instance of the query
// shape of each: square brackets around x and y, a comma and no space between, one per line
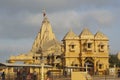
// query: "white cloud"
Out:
[33,19]
[65,20]
[79,19]
[100,17]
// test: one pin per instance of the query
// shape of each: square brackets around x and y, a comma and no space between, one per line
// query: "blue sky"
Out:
[20,21]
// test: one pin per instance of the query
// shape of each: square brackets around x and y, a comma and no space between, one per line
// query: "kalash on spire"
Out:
[44,13]
[45,37]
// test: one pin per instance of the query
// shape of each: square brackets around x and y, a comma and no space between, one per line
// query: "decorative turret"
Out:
[86,34]
[70,35]
[100,36]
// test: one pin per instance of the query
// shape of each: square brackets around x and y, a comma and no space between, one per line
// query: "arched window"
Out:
[100,66]
[101,47]
[88,45]
[72,47]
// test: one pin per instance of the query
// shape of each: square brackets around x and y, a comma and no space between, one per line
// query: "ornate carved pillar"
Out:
[83,62]
[95,67]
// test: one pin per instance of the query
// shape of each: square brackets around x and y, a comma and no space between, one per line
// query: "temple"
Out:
[74,52]
[86,50]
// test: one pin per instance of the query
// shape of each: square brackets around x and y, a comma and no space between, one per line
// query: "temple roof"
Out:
[86,34]
[46,32]
[70,35]
[44,36]
[100,35]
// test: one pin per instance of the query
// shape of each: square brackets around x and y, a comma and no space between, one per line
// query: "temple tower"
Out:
[45,45]
[44,36]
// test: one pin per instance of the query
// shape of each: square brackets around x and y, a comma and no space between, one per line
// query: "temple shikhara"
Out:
[74,52]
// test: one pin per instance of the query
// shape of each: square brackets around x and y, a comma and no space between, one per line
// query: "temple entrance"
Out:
[89,62]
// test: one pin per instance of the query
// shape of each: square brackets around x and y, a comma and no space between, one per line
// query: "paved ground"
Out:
[93,77]
[105,78]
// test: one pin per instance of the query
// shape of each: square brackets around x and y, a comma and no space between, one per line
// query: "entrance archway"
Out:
[89,62]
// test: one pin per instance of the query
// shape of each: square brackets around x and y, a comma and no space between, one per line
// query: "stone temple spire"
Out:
[45,34]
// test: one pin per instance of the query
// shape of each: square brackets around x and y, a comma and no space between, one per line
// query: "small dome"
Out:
[100,35]
[86,34]
[70,35]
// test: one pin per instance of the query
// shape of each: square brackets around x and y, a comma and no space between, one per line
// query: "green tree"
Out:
[113,60]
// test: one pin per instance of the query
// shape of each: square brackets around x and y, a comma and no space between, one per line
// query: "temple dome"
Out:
[70,35]
[86,34]
[100,36]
